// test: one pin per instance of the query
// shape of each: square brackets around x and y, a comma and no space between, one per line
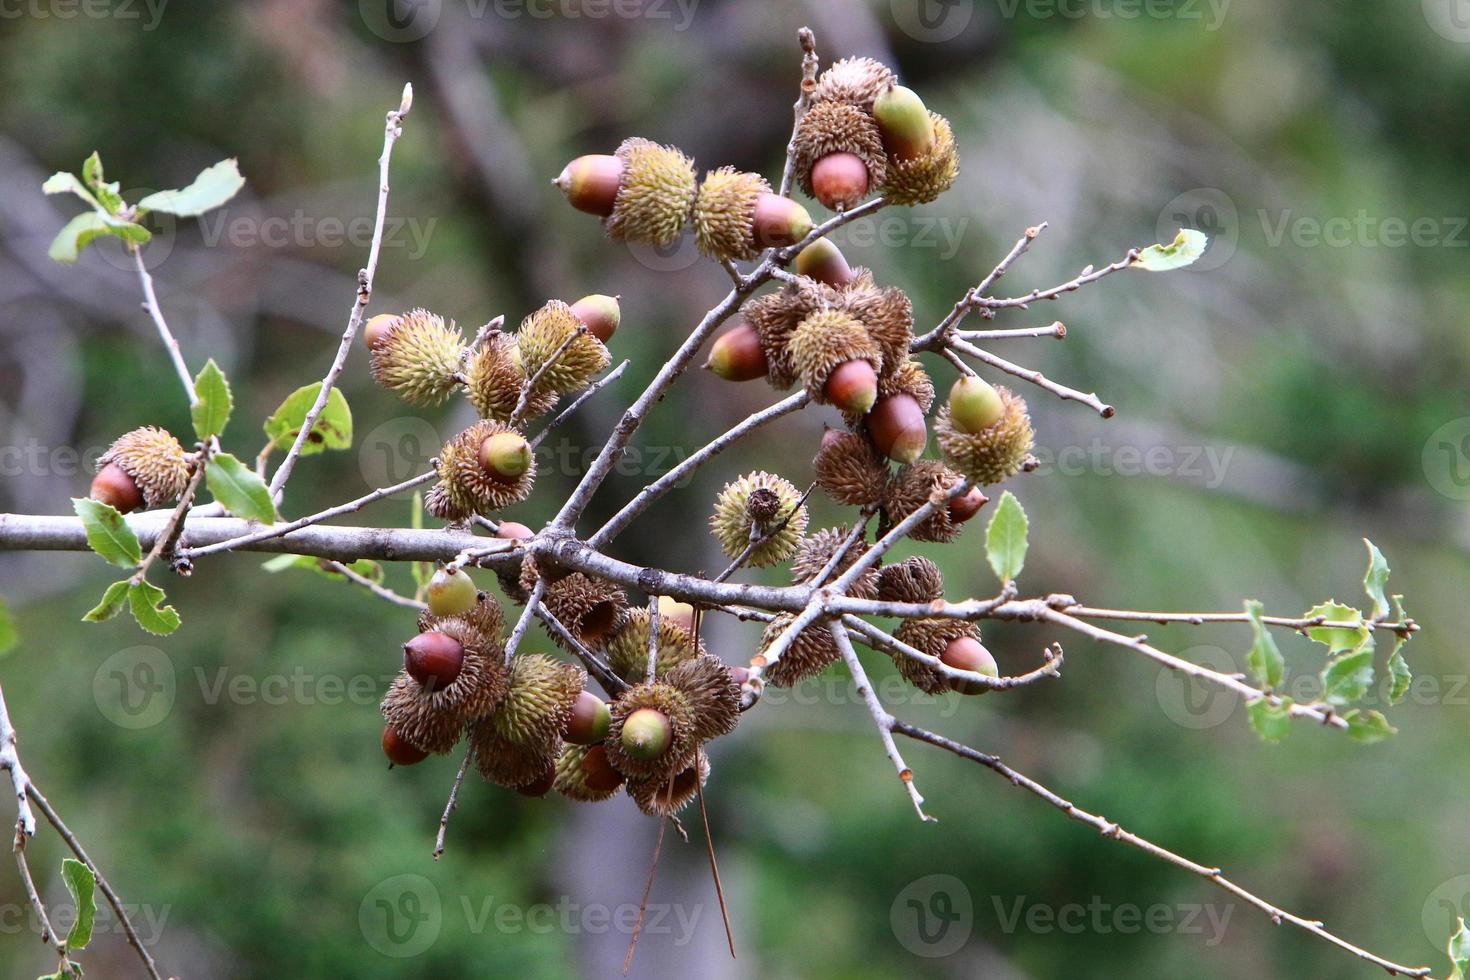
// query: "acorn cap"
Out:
[577,779]
[155,461]
[724,213]
[511,764]
[732,523]
[674,706]
[466,485]
[494,380]
[823,341]
[656,195]
[538,701]
[915,579]
[666,797]
[922,179]
[591,608]
[714,697]
[994,454]
[775,317]
[817,550]
[543,333]
[837,127]
[856,81]
[437,501]
[929,636]
[418,358]
[911,488]
[812,651]
[886,312]
[627,651]
[850,470]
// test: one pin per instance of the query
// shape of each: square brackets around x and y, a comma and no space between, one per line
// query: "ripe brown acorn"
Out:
[852,386]
[433,659]
[967,505]
[840,180]
[400,752]
[377,329]
[600,313]
[824,262]
[779,221]
[514,531]
[113,486]
[505,456]
[591,183]
[589,720]
[737,355]
[539,787]
[896,426]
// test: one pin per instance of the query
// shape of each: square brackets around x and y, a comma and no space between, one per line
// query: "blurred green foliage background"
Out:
[1299,389]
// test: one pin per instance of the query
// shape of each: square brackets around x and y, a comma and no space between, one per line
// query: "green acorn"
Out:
[903,119]
[589,720]
[468,486]
[839,154]
[652,732]
[915,579]
[856,81]
[817,550]
[142,468]
[994,453]
[542,335]
[484,618]
[823,346]
[735,526]
[824,262]
[494,379]
[418,358]
[812,651]
[924,178]
[724,213]
[627,651]
[666,797]
[911,488]
[451,593]
[974,405]
[656,192]
[584,774]
[849,469]
[935,637]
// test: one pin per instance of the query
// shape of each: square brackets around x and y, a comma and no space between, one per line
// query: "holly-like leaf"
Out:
[1459,951]
[1348,677]
[237,487]
[1368,726]
[9,637]
[212,412]
[146,601]
[333,429]
[1266,664]
[1187,246]
[80,231]
[1005,538]
[107,533]
[214,186]
[111,604]
[1376,580]
[1338,638]
[1270,721]
[1400,677]
[106,193]
[83,887]
[365,567]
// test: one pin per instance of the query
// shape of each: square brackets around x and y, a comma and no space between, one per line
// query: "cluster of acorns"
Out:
[532,724]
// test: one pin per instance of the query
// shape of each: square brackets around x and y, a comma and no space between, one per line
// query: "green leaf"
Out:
[107,194]
[1005,538]
[214,186]
[1459,950]
[1264,659]
[9,637]
[1368,726]
[145,599]
[107,533]
[1347,677]
[237,487]
[62,182]
[1400,676]
[83,887]
[1340,638]
[112,603]
[212,412]
[1187,246]
[1376,579]
[1270,721]
[365,567]
[79,232]
[333,429]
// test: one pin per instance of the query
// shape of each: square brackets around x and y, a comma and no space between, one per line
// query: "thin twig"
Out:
[591,390]
[452,803]
[1089,399]
[155,311]
[377,589]
[524,398]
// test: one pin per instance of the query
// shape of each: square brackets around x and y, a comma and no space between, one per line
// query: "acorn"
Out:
[433,659]
[915,579]
[672,611]
[734,527]
[494,380]
[839,154]
[508,763]
[967,505]
[591,183]
[849,469]
[451,593]
[896,426]
[886,313]
[713,697]
[418,358]
[627,651]
[144,467]
[993,453]
[513,531]
[484,622]
[432,716]
[539,702]
[936,637]
[467,486]
[923,178]
[812,651]
[600,313]
[824,262]
[911,488]
[655,192]
[817,550]
[775,317]
[541,785]
[584,774]
[666,797]
[506,456]
[399,751]
[903,121]
[856,81]
[646,734]
[823,347]
[839,180]
[778,221]
[652,732]
[554,339]
[974,405]
[377,328]
[591,608]
[589,720]
[737,355]
[725,214]
[967,653]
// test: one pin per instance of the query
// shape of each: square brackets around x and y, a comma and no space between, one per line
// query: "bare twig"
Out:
[1089,399]
[452,802]
[155,311]
[571,409]
[377,589]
